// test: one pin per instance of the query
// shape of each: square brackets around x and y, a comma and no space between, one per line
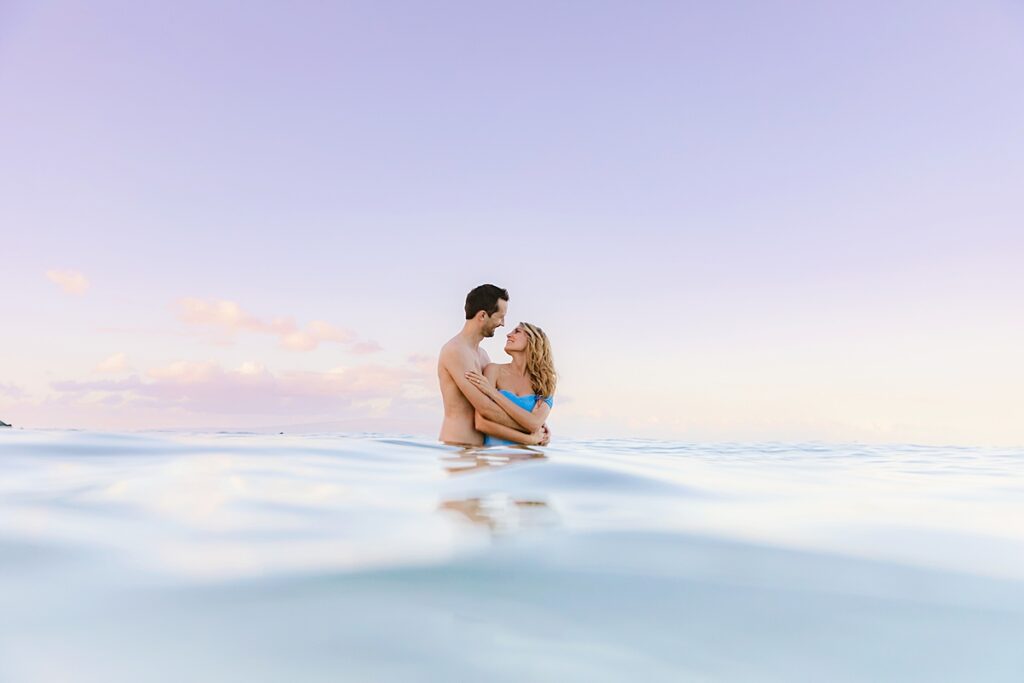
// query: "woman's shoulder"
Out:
[491,370]
[495,367]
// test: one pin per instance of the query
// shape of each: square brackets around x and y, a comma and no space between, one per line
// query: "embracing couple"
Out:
[487,403]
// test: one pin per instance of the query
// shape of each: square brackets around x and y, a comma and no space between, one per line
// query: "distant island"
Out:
[4,424]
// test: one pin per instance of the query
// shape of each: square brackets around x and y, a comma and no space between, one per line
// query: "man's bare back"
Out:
[458,426]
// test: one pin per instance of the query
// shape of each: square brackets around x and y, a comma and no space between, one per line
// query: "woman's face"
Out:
[515,340]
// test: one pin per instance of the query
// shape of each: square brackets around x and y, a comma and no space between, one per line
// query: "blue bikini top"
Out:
[528,401]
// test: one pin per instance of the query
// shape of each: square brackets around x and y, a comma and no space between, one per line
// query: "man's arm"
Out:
[528,421]
[456,365]
[502,432]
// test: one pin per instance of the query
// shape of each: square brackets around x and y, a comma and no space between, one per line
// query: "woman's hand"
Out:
[482,383]
[539,437]
[545,436]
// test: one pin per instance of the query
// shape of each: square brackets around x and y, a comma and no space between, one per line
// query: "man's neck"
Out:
[471,333]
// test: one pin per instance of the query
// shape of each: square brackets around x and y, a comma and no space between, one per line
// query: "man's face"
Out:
[493,322]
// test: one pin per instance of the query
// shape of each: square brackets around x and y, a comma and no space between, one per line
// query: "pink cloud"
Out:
[226,314]
[11,391]
[423,363]
[71,281]
[206,387]
[115,364]
[101,385]
[228,318]
[316,333]
[365,347]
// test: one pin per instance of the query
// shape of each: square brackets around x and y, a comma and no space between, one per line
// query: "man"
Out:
[485,312]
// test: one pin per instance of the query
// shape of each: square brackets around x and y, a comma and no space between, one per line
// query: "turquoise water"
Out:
[223,557]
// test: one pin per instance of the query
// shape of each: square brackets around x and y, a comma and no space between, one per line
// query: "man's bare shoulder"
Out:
[455,351]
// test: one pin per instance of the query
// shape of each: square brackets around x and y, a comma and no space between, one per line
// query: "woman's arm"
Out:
[502,432]
[530,421]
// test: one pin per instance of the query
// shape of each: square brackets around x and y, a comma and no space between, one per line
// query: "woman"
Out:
[518,387]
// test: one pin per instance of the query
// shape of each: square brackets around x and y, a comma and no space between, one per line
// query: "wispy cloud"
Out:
[227,318]
[365,347]
[11,390]
[113,365]
[71,281]
[316,333]
[207,387]
[422,362]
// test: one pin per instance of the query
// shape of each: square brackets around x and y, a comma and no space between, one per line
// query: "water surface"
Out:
[214,557]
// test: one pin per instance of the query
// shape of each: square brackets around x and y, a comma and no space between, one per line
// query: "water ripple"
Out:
[595,560]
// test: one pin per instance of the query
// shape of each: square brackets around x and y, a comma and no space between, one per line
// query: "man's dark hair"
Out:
[484,298]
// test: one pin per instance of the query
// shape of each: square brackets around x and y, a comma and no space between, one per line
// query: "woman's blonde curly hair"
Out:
[540,365]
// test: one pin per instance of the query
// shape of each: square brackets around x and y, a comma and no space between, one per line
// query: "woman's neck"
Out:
[518,362]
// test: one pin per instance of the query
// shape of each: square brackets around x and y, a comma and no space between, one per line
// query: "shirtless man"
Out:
[485,312]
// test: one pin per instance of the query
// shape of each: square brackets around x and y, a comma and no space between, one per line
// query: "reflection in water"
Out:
[469,459]
[503,514]
[499,512]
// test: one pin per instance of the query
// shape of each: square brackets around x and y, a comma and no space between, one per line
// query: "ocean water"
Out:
[330,557]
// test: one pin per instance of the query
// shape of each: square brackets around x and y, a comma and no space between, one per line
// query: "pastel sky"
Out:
[736,220]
